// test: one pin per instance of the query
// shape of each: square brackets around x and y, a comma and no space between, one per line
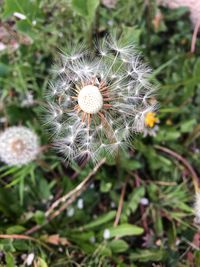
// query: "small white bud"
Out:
[29,259]
[144,201]
[70,212]
[80,204]
[92,239]
[106,234]
[19,15]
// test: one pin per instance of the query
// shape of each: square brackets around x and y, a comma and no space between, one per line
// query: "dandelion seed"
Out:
[29,259]
[28,101]
[113,205]
[80,203]
[92,239]
[151,131]
[98,101]
[92,186]
[18,146]
[106,234]
[70,212]
[144,201]
[19,15]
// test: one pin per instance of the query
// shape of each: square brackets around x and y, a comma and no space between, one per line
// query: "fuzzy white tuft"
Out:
[98,100]
[18,146]
[90,99]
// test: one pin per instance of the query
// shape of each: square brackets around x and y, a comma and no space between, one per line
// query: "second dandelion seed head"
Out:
[18,146]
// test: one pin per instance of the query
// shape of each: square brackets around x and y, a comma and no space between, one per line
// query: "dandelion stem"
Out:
[194,36]
[121,202]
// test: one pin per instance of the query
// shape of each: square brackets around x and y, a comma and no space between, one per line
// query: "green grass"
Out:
[161,233]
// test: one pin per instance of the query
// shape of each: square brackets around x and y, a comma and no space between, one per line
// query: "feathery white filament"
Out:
[90,99]
[98,100]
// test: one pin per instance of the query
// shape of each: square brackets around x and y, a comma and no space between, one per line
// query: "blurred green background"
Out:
[156,223]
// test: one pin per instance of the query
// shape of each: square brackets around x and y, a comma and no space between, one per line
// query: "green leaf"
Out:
[4,69]
[197,258]
[168,134]
[91,7]
[21,190]
[131,35]
[177,13]
[25,27]
[10,262]
[146,255]
[187,126]
[135,197]
[99,221]
[42,263]
[31,11]
[39,217]
[105,187]
[80,7]
[118,246]
[129,163]
[85,8]
[15,229]
[28,8]
[10,6]
[197,68]
[125,230]
[16,113]
[132,165]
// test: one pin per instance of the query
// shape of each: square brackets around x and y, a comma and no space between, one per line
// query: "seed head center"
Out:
[90,99]
[17,146]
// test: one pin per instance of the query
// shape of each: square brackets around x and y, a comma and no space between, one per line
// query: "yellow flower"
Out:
[151,119]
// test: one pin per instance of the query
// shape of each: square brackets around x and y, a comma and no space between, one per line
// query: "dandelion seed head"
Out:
[90,99]
[18,146]
[99,100]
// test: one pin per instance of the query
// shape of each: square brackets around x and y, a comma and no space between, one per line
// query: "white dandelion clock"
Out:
[98,100]
[18,146]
